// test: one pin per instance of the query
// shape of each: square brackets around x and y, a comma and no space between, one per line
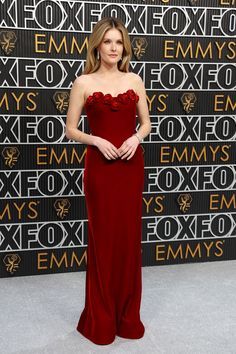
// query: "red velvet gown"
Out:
[113,194]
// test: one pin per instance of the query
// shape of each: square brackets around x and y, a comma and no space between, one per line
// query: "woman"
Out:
[113,182]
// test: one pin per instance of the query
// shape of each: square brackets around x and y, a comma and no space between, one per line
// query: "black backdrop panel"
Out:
[185,53]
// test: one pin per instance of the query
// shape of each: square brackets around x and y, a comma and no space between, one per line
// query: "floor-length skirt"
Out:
[113,193]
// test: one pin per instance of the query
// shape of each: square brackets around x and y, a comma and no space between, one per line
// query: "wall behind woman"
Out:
[185,54]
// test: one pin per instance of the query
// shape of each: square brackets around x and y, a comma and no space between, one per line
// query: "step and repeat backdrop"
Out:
[185,53]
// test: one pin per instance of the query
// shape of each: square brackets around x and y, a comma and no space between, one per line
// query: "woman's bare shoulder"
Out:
[134,78]
[83,79]
[82,84]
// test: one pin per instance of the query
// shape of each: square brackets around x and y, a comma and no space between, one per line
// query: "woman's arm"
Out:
[73,117]
[75,108]
[142,109]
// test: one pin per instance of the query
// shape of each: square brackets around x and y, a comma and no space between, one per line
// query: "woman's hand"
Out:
[109,150]
[128,147]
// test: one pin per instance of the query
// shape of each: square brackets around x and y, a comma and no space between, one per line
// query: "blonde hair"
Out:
[99,30]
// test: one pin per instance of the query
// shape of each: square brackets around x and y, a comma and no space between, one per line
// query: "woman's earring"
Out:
[98,56]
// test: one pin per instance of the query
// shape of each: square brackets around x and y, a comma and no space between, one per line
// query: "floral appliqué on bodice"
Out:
[114,102]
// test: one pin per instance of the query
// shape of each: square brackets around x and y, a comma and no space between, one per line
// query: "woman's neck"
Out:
[108,70]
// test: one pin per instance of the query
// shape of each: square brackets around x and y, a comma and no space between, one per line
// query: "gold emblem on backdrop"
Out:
[61,100]
[62,207]
[10,155]
[7,41]
[11,262]
[188,101]
[184,201]
[192,2]
[139,45]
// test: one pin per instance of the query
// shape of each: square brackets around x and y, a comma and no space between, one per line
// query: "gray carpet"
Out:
[187,308]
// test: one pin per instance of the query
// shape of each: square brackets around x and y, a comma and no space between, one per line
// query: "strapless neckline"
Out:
[101,94]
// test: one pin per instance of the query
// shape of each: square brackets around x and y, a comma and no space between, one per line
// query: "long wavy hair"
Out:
[96,37]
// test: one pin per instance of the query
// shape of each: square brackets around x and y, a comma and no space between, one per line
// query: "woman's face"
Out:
[111,47]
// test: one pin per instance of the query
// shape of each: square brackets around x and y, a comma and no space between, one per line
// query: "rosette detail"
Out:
[116,102]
